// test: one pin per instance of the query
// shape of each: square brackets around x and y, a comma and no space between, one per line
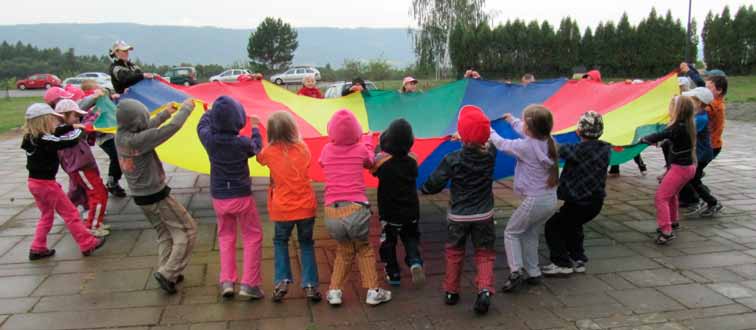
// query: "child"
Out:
[398,205]
[681,132]
[347,211]
[42,140]
[701,97]
[536,178]
[718,87]
[358,85]
[291,203]
[470,213]
[81,167]
[409,85]
[581,187]
[55,94]
[310,87]
[527,79]
[230,188]
[137,137]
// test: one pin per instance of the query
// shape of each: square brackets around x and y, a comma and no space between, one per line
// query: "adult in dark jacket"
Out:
[123,72]
[688,70]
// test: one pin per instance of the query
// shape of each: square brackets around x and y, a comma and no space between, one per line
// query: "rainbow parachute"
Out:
[630,111]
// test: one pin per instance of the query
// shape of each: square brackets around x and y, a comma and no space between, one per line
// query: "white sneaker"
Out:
[418,275]
[554,270]
[334,297]
[579,267]
[377,296]
[99,232]
[105,226]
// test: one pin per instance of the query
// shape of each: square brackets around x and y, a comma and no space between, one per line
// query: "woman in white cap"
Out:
[123,72]
[409,85]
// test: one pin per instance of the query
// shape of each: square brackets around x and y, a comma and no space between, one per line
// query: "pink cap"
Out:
[55,94]
[68,105]
[78,94]
[408,80]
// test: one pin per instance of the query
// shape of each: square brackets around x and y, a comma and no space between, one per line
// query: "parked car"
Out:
[42,80]
[229,75]
[294,75]
[184,75]
[75,81]
[335,89]
[102,79]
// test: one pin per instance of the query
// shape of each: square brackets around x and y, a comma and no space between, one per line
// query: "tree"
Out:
[271,46]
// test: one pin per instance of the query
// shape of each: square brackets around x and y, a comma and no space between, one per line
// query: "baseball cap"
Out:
[120,45]
[67,105]
[39,109]
[683,81]
[408,80]
[703,94]
[715,72]
[55,93]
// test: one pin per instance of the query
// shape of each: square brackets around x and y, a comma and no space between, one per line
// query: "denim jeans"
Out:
[409,234]
[309,267]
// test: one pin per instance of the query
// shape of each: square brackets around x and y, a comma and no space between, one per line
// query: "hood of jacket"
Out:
[594,74]
[132,116]
[397,139]
[344,129]
[227,116]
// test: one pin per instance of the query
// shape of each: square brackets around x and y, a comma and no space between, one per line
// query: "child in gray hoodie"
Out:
[137,137]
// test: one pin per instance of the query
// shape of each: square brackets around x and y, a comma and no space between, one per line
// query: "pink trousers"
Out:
[241,212]
[666,195]
[50,198]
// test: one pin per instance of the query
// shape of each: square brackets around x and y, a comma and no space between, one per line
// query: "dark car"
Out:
[42,80]
[184,75]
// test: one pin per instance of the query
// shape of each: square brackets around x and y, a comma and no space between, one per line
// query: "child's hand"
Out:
[455,137]
[115,96]
[508,117]
[254,120]
[79,126]
[189,103]
[99,92]
[148,75]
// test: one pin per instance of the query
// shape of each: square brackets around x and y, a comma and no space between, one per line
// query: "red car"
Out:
[39,81]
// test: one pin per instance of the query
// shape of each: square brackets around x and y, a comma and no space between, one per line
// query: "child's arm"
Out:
[438,179]
[652,139]
[511,147]
[161,117]
[567,151]
[255,142]
[204,127]
[516,123]
[701,123]
[150,138]
[65,136]
[369,160]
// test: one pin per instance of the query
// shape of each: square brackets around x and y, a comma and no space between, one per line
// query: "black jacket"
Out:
[470,171]
[396,170]
[124,75]
[681,152]
[583,178]
[42,151]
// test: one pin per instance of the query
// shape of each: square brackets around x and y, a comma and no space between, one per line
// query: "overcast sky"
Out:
[308,13]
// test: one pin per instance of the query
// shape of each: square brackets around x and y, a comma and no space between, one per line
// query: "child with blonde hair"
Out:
[310,87]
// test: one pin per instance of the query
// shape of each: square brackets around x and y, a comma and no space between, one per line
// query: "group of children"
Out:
[53,136]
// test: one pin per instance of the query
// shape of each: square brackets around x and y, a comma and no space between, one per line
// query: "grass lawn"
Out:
[741,89]
[12,111]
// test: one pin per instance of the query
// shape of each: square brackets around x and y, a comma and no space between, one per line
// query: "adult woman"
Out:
[409,85]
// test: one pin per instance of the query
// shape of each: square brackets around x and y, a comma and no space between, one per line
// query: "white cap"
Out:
[120,45]
[703,94]
[68,105]
[40,109]
[683,81]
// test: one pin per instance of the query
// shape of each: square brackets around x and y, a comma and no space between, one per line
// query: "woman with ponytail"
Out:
[536,180]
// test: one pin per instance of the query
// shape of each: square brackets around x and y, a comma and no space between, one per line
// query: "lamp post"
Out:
[688,57]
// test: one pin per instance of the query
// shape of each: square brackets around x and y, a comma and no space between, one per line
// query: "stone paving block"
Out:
[115,281]
[620,265]
[233,311]
[105,300]
[719,275]
[616,281]
[695,295]
[709,260]
[708,312]
[576,284]
[82,320]
[20,252]
[645,300]
[626,320]
[591,312]
[732,290]
[748,302]
[16,305]
[6,243]
[729,322]
[19,286]
[654,277]
[747,271]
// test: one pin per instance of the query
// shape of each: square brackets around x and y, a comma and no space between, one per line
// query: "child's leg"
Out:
[410,235]
[76,193]
[484,239]
[281,251]
[253,236]
[342,264]
[38,189]
[97,195]
[57,199]
[227,224]
[700,188]
[183,232]
[114,168]
[387,250]
[544,207]
[581,215]
[164,240]
[518,224]
[557,232]
[366,264]
[307,252]
[666,195]
[455,253]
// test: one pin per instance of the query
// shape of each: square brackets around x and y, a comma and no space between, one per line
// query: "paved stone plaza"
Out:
[706,279]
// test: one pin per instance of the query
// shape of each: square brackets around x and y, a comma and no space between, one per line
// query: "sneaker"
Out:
[377,296]
[515,280]
[693,209]
[334,297]
[418,275]
[393,279]
[251,292]
[554,270]
[165,284]
[100,243]
[713,210]
[36,255]
[579,266]
[280,291]
[99,232]
[227,289]
[534,280]
[663,239]
[675,227]
[104,226]
[482,302]
[116,190]
[451,298]
[313,294]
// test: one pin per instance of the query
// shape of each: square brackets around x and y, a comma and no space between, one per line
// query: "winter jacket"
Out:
[716,112]
[694,76]
[136,139]
[77,158]
[470,171]
[595,75]
[704,152]
[680,152]
[311,92]
[583,178]
[124,74]
[344,159]
[218,130]
[42,151]
[290,194]
[396,170]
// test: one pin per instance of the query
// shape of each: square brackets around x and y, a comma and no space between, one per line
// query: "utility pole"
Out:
[688,57]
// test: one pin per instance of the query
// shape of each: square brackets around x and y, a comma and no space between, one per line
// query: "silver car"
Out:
[229,75]
[337,88]
[102,79]
[294,75]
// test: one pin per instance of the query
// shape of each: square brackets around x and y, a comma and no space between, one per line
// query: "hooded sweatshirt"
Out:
[396,170]
[218,131]
[313,92]
[344,158]
[42,151]
[595,75]
[533,166]
[290,195]
[137,137]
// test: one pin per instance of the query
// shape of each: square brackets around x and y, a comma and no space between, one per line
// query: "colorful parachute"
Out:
[630,111]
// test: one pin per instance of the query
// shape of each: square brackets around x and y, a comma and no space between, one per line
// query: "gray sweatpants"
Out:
[177,233]
[523,228]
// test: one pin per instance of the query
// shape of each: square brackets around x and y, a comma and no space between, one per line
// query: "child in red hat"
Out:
[470,214]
